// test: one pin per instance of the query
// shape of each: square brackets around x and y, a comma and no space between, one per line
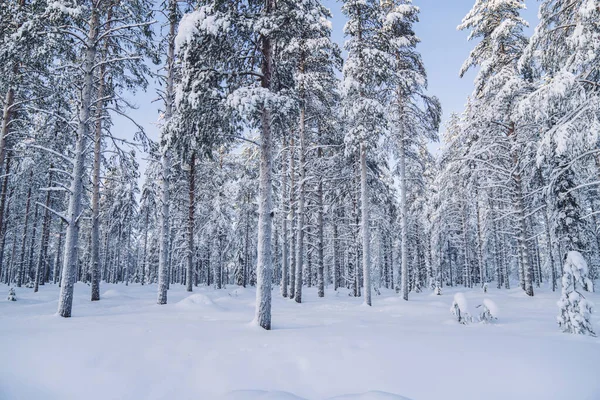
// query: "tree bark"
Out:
[292,219]
[95,295]
[301,211]
[403,219]
[192,205]
[2,208]
[39,275]
[21,269]
[265,216]
[365,220]
[163,263]
[74,212]
[320,238]
[284,228]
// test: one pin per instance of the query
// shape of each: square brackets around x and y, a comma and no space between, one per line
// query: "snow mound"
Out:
[113,294]
[265,395]
[461,300]
[259,395]
[198,300]
[371,396]
[492,307]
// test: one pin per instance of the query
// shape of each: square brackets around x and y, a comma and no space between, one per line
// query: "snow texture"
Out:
[127,347]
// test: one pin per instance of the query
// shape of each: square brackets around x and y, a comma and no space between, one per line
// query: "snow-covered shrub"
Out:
[12,296]
[437,291]
[489,311]
[575,311]
[460,309]
[485,287]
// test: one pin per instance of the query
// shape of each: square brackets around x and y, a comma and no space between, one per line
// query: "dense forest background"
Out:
[286,162]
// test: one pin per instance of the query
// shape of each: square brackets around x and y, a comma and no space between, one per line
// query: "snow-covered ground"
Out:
[202,346]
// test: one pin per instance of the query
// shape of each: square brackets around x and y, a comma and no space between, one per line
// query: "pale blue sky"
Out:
[444,50]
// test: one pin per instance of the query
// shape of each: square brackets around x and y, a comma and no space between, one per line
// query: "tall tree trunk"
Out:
[522,240]
[2,208]
[145,251]
[6,118]
[65,303]
[482,271]
[265,216]
[320,238]
[39,275]
[56,271]
[43,263]
[192,205]
[292,218]
[284,228]
[549,249]
[301,210]
[403,219]
[336,261]
[247,244]
[21,270]
[32,245]
[163,262]
[95,295]
[467,267]
[365,221]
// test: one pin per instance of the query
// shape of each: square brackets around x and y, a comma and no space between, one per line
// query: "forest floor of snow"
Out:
[203,346]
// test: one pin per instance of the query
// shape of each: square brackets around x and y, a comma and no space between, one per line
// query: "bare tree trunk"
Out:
[320,239]
[365,220]
[336,261]
[145,255]
[95,295]
[482,272]
[24,235]
[284,228]
[549,249]
[56,272]
[403,220]
[301,210]
[192,205]
[292,222]
[74,212]
[2,208]
[44,240]
[163,263]
[265,216]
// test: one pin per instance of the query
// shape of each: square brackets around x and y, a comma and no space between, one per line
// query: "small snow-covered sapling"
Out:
[575,310]
[489,312]
[437,291]
[460,309]
[485,287]
[12,296]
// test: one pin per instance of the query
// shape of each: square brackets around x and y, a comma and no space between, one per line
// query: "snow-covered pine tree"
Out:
[171,10]
[575,310]
[129,37]
[563,55]
[414,116]
[365,70]
[498,83]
